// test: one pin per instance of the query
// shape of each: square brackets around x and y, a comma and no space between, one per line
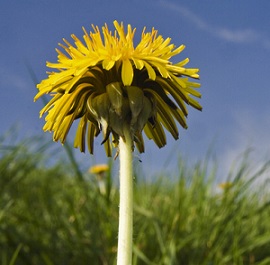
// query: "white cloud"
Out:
[239,36]
[185,12]
[227,34]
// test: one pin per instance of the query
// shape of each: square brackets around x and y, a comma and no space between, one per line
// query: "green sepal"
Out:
[115,94]
[139,142]
[145,114]
[136,101]
[117,122]
[108,147]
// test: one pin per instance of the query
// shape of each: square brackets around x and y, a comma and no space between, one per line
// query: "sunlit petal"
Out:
[127,72]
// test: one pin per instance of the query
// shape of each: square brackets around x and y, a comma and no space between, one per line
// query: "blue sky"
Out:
[228,40]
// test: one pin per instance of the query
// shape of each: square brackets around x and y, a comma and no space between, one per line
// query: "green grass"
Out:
[50,215]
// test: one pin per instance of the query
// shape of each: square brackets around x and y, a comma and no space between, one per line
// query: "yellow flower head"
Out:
[98,169]
[225,185]
[109,84]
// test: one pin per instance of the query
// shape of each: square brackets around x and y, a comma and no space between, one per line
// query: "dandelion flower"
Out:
[108,83]
[99,169]
[225,185]
[122,91]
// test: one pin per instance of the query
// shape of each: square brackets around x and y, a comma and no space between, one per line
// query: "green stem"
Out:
[126,201]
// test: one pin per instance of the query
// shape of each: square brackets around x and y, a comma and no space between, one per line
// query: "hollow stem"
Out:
[125,231]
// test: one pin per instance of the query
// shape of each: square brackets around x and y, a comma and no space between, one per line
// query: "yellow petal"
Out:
[162,70]
[90,137]
[150,71]
[139,64]
[108,64]
[127,72]
[79,141]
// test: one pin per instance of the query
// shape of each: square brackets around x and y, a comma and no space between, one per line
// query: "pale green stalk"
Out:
[125,231]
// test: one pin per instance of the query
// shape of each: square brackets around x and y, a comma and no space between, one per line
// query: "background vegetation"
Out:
[53,214]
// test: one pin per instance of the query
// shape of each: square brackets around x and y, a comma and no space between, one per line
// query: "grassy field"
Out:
[52,216]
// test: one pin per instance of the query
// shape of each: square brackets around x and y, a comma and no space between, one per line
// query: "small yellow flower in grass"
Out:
[99,172]
[108,83]
[225,185]
[99,169]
